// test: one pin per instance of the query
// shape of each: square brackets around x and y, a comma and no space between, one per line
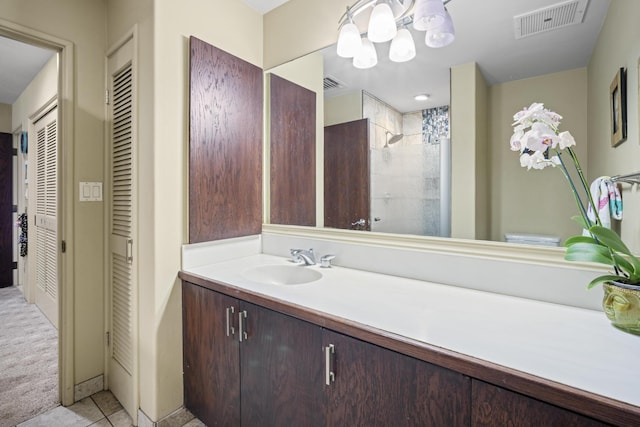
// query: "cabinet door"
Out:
[377,387]
[495,406]
[211,358]
[282,367]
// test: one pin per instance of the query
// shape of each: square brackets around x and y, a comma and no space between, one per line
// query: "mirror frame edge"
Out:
[500,251]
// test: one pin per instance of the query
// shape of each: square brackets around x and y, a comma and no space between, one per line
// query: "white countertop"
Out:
[572,346]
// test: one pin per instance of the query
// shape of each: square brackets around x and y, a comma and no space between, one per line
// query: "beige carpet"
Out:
[28,360]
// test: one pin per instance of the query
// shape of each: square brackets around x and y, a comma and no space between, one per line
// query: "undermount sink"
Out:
[282,274]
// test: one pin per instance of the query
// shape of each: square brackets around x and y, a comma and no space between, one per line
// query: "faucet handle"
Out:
[325,260]
[294,255]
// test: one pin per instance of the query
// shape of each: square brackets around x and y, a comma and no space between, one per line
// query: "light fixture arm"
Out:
[355,9]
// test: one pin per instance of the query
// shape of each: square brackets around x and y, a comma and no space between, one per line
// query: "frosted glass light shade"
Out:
[382,24]
[349,41]
[402,47]
[442,35]
[366,56]
[428,14]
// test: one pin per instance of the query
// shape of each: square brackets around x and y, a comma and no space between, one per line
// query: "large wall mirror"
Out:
[419,149]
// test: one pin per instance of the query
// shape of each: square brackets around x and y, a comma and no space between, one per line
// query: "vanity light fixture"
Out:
[402,47]
[366,57]
[382,24]
[385,17]
[442,35]
[349,41]
[428,14]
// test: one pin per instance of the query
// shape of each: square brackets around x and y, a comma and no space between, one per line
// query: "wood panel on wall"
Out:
[6,210]
[225,145]
[293,153]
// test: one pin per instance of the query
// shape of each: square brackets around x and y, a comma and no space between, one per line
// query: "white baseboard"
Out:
[87,388]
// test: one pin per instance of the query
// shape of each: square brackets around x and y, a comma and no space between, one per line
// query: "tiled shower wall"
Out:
[405,176]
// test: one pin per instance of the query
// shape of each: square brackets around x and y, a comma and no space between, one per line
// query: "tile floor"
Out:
[99,410]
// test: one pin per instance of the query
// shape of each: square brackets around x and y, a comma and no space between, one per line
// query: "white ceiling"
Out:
[484,34]
[19,64]
[264,6]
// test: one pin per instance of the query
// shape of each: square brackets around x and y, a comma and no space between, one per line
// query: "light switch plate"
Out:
[90,192]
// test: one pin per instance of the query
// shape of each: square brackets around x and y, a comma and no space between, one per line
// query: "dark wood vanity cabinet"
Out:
[210,358]
[272,377]
[495,406]
[374,386]
[277,374]
[280,370]
[303,368]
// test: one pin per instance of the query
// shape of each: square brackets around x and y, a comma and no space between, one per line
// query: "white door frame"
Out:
[66,103]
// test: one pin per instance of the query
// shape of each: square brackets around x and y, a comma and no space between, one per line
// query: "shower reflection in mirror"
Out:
[410,169]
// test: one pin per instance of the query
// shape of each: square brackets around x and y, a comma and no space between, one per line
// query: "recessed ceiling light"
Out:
[421,97]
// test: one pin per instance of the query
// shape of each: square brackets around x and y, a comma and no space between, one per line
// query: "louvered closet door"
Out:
[122,264]
[45,236]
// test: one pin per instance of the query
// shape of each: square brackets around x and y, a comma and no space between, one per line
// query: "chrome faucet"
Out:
[302,256]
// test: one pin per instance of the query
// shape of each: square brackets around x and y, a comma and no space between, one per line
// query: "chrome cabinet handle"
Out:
[329,375]
[242,334]
[230,329]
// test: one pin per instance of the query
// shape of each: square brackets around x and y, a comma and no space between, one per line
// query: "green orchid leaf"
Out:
[590,252]
[603,279]
[579,239]
[624,264]
[609,238]
[631,266]
[635,262]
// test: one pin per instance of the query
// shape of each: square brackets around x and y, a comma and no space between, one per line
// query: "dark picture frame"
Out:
[618,107]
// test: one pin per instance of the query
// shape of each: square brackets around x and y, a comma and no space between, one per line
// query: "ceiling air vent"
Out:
[550,18]
[332,83]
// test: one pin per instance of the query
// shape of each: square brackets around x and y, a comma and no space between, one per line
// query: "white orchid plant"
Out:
[537,137]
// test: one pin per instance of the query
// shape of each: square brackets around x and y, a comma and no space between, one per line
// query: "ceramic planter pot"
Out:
[621,304]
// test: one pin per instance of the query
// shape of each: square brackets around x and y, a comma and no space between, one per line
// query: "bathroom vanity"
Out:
[351,347]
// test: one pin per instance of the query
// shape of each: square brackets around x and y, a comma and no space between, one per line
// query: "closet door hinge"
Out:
[107,338]
[63,246]
[106,97]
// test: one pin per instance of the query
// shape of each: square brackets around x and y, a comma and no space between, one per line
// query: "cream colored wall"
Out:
[535,201]
[164,29]
[81,22]
[343,108]
[618,46]
[466,111]
[5,118]
[482,156]
[299,27]
[308,73]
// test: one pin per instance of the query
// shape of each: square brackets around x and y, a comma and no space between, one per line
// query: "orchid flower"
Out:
[537,138]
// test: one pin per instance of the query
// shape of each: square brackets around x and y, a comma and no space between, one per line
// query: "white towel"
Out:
[606,198]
